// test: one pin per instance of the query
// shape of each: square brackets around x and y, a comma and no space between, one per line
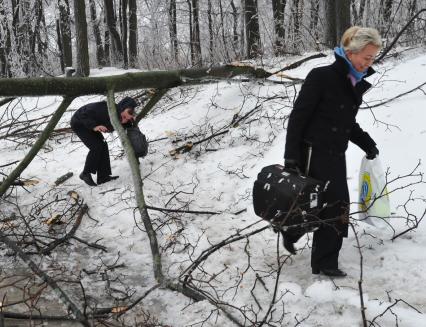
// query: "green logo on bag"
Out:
[365,190]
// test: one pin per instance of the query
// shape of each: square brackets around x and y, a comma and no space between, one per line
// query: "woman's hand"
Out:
[100,128]
[372,153]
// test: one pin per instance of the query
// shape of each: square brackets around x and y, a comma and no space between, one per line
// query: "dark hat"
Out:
[126,102]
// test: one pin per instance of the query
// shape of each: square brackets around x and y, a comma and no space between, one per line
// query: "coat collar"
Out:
[361,87]
[342,67]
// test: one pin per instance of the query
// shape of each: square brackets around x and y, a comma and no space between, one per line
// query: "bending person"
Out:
[89,122]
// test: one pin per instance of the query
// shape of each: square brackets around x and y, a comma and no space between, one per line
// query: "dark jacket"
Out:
[92,115]
[324,113]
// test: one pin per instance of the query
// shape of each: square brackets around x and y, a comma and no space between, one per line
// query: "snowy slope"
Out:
[217,176]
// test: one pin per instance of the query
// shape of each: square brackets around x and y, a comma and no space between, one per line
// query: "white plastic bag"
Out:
[373,195]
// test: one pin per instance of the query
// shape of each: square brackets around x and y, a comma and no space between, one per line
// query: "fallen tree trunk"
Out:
[78,86]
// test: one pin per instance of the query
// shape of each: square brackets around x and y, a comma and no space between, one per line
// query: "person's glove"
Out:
[292,165]
[372,153]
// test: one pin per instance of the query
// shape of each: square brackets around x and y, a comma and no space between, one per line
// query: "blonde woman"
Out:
[323,118]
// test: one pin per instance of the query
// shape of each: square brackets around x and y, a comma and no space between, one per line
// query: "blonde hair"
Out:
[357,38]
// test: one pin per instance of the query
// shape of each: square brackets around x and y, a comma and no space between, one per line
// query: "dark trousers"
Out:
[328,239]
[326,245]
[97,160]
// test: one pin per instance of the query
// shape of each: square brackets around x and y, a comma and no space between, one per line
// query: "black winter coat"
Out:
[324,113]
[92,115]
[324,116]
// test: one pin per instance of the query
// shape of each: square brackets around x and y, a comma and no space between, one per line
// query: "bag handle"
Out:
[308,160]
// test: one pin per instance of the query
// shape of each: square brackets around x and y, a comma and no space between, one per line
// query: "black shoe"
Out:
[332,272]
[288,245]
[87,178]
[106,179]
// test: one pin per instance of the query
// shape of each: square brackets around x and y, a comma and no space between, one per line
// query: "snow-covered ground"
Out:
[217,176]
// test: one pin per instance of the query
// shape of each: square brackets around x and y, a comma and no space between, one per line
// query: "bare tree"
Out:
[4,42]
[343,18]
[123,20]
[385,13]
[314,18]
[278,7]
[116,47]
[82,47]
[211,36]
[338,19]
[173,30]
[100,55]
[296,16]
[194,32]
[235,28]
[252,29]
[65,32]
[133,34]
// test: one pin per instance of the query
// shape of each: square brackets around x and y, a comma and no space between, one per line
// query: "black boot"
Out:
[106,179]
[87,178]
[332,272]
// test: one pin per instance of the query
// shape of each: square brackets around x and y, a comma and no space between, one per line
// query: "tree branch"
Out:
[37,145]
[138,184]
[385,52]
[45,277]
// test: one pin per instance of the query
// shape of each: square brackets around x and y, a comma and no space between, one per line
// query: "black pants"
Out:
[97,160]
[326,245]
[328,239]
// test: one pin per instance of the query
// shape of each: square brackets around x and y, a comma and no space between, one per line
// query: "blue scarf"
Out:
[356,74]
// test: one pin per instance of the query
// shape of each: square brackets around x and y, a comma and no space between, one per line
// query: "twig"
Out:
[399,35]
[360,280]
[394,98]
[183,211]
[45,277]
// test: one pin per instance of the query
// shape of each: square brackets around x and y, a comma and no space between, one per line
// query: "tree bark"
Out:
[361,12]
[191,33]
[278,8]
[222,28]
[60,48]
[133,34]
[386,9]
[4,35]
[343,16]
[313,25]
[235,28]
[78,86]
[82,47]
[196,33]
[123,19]
[36,43]
[107,42]
[411,12]
[252,29]
[65,28]
[297,10]
[211,36]
[173,30]
[116,48]
[159,93]
[330,23]
[100,56]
